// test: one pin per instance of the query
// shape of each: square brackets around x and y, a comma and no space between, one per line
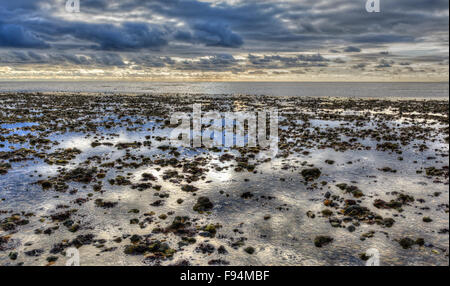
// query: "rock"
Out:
[247,195]
[181,263]
[157,203]
[142,186]
[74,228]
[148,177]
[311,174]
[205,248]
[327,213]
[388,170]
[186,241]
[83,240]
[61,216]
[46,184]
[321,241]
[218,262]
[135,238]
[335,222]
[157,248]
[435,172]
[136,249]
[222,250]
[212,229]
[364,256]
[81,175]
[51,259]
[310,214]
[354,190]
[13,255]
[366,235]
[34,252]
[406,242]
[179,226]
[103,204]
[420,242]
[388,222]
[203,204]
[189,188]
[250,250]
[356,211]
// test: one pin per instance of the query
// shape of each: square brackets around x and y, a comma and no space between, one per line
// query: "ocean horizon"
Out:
[418,90]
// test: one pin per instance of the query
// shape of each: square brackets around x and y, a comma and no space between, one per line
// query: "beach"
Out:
[96,172]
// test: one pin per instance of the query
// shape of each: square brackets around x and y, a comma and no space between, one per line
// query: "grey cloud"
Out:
[359,66]
[12,35]
[219,30]
[127,36]
[385,64]
[352,49]
[226,25]
[223,62]
[62,59]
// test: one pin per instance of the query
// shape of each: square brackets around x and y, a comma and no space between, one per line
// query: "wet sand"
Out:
[96,172]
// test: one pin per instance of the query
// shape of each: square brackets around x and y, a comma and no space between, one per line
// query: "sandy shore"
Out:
[96,172]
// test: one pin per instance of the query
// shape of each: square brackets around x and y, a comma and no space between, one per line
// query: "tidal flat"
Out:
[96,172]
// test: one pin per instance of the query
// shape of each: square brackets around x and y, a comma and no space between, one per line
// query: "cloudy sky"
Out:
[245,40]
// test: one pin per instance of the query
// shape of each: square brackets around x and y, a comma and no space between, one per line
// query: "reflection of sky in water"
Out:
[285,239]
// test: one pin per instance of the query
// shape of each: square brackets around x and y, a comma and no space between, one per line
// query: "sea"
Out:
[400,90]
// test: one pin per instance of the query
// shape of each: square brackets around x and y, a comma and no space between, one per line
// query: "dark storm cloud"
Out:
[227,25]
[123,37]
[223,62]
[255,64]
[433,58]
[352,49]
[359,66]
[383,38]
[150,61]
[15,36]
[62,59]
[171,28]
[217,63]
[385,64]
[284,62]
[20,5]
[212,34]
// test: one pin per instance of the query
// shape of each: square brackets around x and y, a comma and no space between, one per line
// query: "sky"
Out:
[228,40]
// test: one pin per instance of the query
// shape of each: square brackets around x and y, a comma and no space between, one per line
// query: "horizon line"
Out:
[214,81]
